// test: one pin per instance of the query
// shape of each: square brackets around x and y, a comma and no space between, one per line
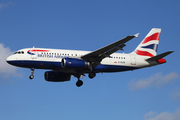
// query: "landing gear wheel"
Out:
[31,76]
[92,75]
[79,83]
[32,72]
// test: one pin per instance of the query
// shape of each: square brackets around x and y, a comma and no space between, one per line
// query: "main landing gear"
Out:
[92,75]
[32,72]
[79,83]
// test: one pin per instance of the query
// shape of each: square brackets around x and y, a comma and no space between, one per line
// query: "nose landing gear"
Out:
[32,72]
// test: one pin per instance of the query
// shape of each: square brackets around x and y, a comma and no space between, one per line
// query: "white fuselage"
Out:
[40,58]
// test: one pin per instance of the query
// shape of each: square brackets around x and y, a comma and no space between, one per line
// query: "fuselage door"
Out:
[33,53]
[34,56]
[133,59]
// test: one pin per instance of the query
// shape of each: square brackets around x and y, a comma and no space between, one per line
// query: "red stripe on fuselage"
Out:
[144,53]
[38,50]
[155,36]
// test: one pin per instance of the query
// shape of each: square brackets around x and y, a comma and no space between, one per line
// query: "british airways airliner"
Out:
[62,64]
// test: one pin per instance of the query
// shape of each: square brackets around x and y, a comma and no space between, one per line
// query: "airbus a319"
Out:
[62,64]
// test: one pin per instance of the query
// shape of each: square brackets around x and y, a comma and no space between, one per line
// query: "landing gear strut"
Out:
[32,72]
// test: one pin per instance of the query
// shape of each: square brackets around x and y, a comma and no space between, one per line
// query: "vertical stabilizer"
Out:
[148,46]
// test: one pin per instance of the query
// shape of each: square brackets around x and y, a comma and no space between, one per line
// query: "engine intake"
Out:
[74,63]
[53,76]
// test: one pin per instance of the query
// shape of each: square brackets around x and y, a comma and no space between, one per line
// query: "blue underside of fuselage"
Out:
[57,65]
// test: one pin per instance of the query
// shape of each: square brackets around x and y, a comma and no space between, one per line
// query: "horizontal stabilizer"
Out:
[157,57]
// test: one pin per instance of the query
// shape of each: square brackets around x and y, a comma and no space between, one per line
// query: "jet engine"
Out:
[53,76]
[73,63]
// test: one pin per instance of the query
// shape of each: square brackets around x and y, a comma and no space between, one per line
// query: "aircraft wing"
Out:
[96,56]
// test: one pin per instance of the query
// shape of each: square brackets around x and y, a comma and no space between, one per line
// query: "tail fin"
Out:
[148,46]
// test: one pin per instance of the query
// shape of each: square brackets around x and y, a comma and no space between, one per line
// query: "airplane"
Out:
[66,63]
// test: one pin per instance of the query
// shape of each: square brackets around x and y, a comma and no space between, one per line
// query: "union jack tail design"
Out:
[148,46]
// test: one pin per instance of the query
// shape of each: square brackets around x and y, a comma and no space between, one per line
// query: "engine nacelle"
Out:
[53,76]
[73,63]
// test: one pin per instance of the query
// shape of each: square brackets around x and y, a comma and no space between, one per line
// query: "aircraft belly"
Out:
[113,68]
[35,64]
[57,66]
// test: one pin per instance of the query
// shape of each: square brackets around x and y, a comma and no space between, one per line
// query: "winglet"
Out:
[136,35]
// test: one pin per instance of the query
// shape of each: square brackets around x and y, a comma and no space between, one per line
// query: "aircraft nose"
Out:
[9,59]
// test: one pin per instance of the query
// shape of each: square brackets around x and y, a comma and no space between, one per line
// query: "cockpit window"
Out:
[19,52]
